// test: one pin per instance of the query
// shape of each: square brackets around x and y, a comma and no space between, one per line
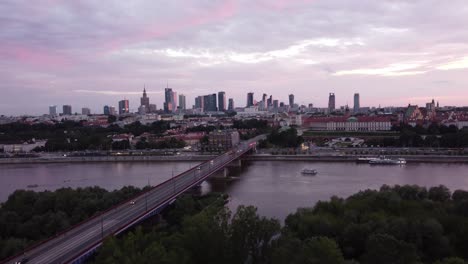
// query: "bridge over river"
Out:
[77,243]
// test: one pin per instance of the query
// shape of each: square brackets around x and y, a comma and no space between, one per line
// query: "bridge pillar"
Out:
[235,163]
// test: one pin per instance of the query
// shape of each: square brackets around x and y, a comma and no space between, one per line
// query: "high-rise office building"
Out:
[145,99]
[112,111]
[331,102]
[124,107]
[275,104]
[356,103]
[221,101]
[153,108]
[85,111]
[53,110]
[264,101]
[199,104]
[270,102]
[106,110]
[182,105]
[250,99]
[67,110]
[231,104]
[209,102]
[170,102]
[291,100]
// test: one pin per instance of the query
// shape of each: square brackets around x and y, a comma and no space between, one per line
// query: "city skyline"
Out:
[391,53]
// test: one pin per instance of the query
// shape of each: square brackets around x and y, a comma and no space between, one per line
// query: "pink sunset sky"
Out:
[94,53]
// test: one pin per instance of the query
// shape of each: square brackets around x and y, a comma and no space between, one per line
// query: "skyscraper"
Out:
[291,100]
[199,104]
[250,99]
[53,110]
[356,103]
[106,110]
[124,107]
[112,111]
[170,102]
[67,110]
[145,99]
[231,104]
[331,102]
[275,104]
[85,111]
[221,101]
[182,105]
[264,101]
[270,102]
[209,102]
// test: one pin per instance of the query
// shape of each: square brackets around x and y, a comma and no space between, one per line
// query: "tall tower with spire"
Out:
[145,99]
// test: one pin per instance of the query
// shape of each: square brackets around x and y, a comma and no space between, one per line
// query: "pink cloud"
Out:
[32,56]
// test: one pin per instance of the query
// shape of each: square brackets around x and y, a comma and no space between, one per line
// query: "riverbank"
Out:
[105,159]
[254,157]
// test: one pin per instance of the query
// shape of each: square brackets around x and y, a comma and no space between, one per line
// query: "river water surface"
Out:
[277,188]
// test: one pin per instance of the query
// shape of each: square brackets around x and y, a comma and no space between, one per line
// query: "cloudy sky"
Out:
[92,53]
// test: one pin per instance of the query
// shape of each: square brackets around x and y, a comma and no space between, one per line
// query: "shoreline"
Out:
[254,157]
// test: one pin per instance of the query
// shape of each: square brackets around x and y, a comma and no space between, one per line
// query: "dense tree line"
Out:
[434,135]
[74,136]
[251,127]
[401,224]
[282,138]
[171,143]
[28,216]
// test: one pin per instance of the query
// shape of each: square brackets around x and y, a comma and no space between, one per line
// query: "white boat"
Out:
[309,172]
[365,159]
[387,161]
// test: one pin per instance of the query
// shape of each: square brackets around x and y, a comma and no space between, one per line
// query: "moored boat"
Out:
[309,172]
[387,161]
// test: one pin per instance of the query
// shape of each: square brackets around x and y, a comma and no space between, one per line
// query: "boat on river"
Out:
[309,172]
[387,161]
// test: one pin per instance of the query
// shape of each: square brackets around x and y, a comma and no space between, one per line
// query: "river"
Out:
[277,188]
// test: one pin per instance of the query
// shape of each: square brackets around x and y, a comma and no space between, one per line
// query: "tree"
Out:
[385,249]
[319,250]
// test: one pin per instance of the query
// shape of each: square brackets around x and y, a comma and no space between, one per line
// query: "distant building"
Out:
[153,108]
[357,105]
[270,102]
[199,103]
[331,102]
[231,104]
[106,110]
[53,110]
[182,105]
[142,110]
[85,111]
[67,110]
[221,101]
[264,101]
[361,123]
[124,107]
[275,104]
[250,99]
[223,139]
[170,103]
[145,99]
[112,111]
[209,103]
[291,100]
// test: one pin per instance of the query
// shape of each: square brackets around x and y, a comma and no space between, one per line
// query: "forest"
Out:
[399,224]
[28,217]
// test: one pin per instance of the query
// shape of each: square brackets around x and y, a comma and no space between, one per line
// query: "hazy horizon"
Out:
[91,54]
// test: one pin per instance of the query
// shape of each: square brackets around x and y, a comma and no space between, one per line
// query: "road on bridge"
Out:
[74,243]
